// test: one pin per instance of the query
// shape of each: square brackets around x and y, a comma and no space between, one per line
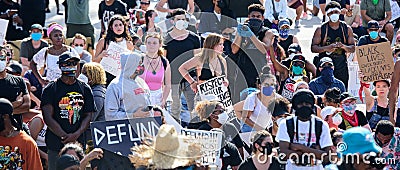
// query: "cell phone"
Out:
[147,108]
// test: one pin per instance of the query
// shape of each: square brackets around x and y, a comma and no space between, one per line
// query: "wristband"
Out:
[193,82]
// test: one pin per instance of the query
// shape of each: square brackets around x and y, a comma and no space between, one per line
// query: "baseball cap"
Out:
[346,96]
[325,60]
[37,26]
[15,68]
[6,108]
[66,161]
[283,22]
[299,57]
[326,111]
[294,48]
[303,95]
[373,24]
[358,140]
[67,56]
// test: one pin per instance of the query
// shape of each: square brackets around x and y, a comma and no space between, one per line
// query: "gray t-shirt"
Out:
[27,50]
[86,56]
[376,12]
[78,12]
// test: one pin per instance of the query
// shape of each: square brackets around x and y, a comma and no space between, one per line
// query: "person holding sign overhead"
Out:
[117,32]
[373,36]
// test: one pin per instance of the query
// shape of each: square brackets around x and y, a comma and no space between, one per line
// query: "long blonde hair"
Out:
[95,73]
[210,42]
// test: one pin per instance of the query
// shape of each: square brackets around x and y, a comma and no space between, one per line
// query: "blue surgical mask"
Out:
[373,34]
[284,33]
[268,90]
[157,19]
[36,36]
[297,70]
[350,108]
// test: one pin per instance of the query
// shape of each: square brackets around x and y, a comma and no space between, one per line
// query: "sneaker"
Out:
[297,24]
[47,10]
[305,15]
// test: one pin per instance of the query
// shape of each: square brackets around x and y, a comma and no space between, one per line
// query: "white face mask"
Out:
[291,56]
[83,78]
[334,17]
[79,49]
[181,24]
[222,118]
[337,119]
[3,65]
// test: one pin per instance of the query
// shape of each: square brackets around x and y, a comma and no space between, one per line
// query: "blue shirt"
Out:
[318,87]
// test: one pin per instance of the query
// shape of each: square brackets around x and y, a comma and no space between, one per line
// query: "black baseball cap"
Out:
[299,57]
[66,161]
[6,108]
[373,24]
[67,56]
[15,68]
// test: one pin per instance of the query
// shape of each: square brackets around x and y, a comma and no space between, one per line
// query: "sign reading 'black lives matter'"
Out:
[375,61]
[119,136]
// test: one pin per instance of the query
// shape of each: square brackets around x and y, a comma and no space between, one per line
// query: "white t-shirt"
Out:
[324,141]
[218,16]
[53,71]
[261,115]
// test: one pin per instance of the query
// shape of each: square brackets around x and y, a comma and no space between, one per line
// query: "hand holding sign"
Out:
[112,58]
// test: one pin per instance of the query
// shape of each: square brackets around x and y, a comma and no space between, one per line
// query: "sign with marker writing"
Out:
[375,61]
[119,136]
[210,142]
[3,30]
[216,87]
[395,10]
[112,63]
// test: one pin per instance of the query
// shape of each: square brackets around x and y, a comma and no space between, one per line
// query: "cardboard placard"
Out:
[3,30]
[210,142]
[216,87]
[375,61]
[395,10]
[119,136]
[112,63]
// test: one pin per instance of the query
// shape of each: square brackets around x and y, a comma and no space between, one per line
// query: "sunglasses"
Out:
[300,64]
[79,45]
[144,3]
[69,63]
[219,111]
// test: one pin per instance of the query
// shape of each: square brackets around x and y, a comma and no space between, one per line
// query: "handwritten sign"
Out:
[375,61]
[395,10]
[3,30]
[210,142]
[216,87]
[112,63]
[119,136]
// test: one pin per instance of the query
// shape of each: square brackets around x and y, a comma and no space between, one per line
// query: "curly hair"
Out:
[111,36]
[205,108]
[95,73]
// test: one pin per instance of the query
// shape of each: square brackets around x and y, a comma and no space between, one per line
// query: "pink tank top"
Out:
[154,81]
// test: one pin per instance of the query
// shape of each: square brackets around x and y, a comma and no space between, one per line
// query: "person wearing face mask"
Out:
[150,26]
[13,137]
[327,79]
[334,39]
[31,46]
[352,17]
[312,134]
[258,117]
[248,46]
[213,115]
[79,44]
[280,108]
[386,136]
[128,94]
[330,115]
[373,36]
[292,50]
[351,116]
[262,157]
[66,125]
[285,39]
[380,11]
[180,45]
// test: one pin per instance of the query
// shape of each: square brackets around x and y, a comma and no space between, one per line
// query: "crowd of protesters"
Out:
[53,90]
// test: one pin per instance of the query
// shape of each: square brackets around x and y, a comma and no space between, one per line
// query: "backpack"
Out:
[290,129]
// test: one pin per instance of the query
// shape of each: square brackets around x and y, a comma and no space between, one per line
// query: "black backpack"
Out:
[290,129]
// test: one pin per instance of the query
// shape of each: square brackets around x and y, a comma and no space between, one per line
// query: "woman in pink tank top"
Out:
[157,73]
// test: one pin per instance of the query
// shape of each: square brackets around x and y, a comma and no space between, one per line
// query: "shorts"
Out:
[296,5]
[316,3]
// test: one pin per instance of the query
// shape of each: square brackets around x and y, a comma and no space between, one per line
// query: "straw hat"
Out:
[169,150]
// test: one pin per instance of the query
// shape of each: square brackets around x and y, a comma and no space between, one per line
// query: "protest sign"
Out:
[210,142]
[3,30]
[120,135]
[395,10]
[112,63]
[375,61]
[216,87]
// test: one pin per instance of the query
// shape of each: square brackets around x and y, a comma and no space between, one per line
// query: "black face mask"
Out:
[304,112]
[119,36]
[255,25]
[267,149]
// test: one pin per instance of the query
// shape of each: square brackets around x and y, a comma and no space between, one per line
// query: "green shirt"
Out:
[78,12]
[376,12]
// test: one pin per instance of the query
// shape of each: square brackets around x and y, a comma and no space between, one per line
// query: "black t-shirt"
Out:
[248,164]
[12,32]
[11,87]
[362,120]
[105,12]
[182,49]
[365,40]
[70,103]
[230,156]
[231,133]
[27,49]
[286,43]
